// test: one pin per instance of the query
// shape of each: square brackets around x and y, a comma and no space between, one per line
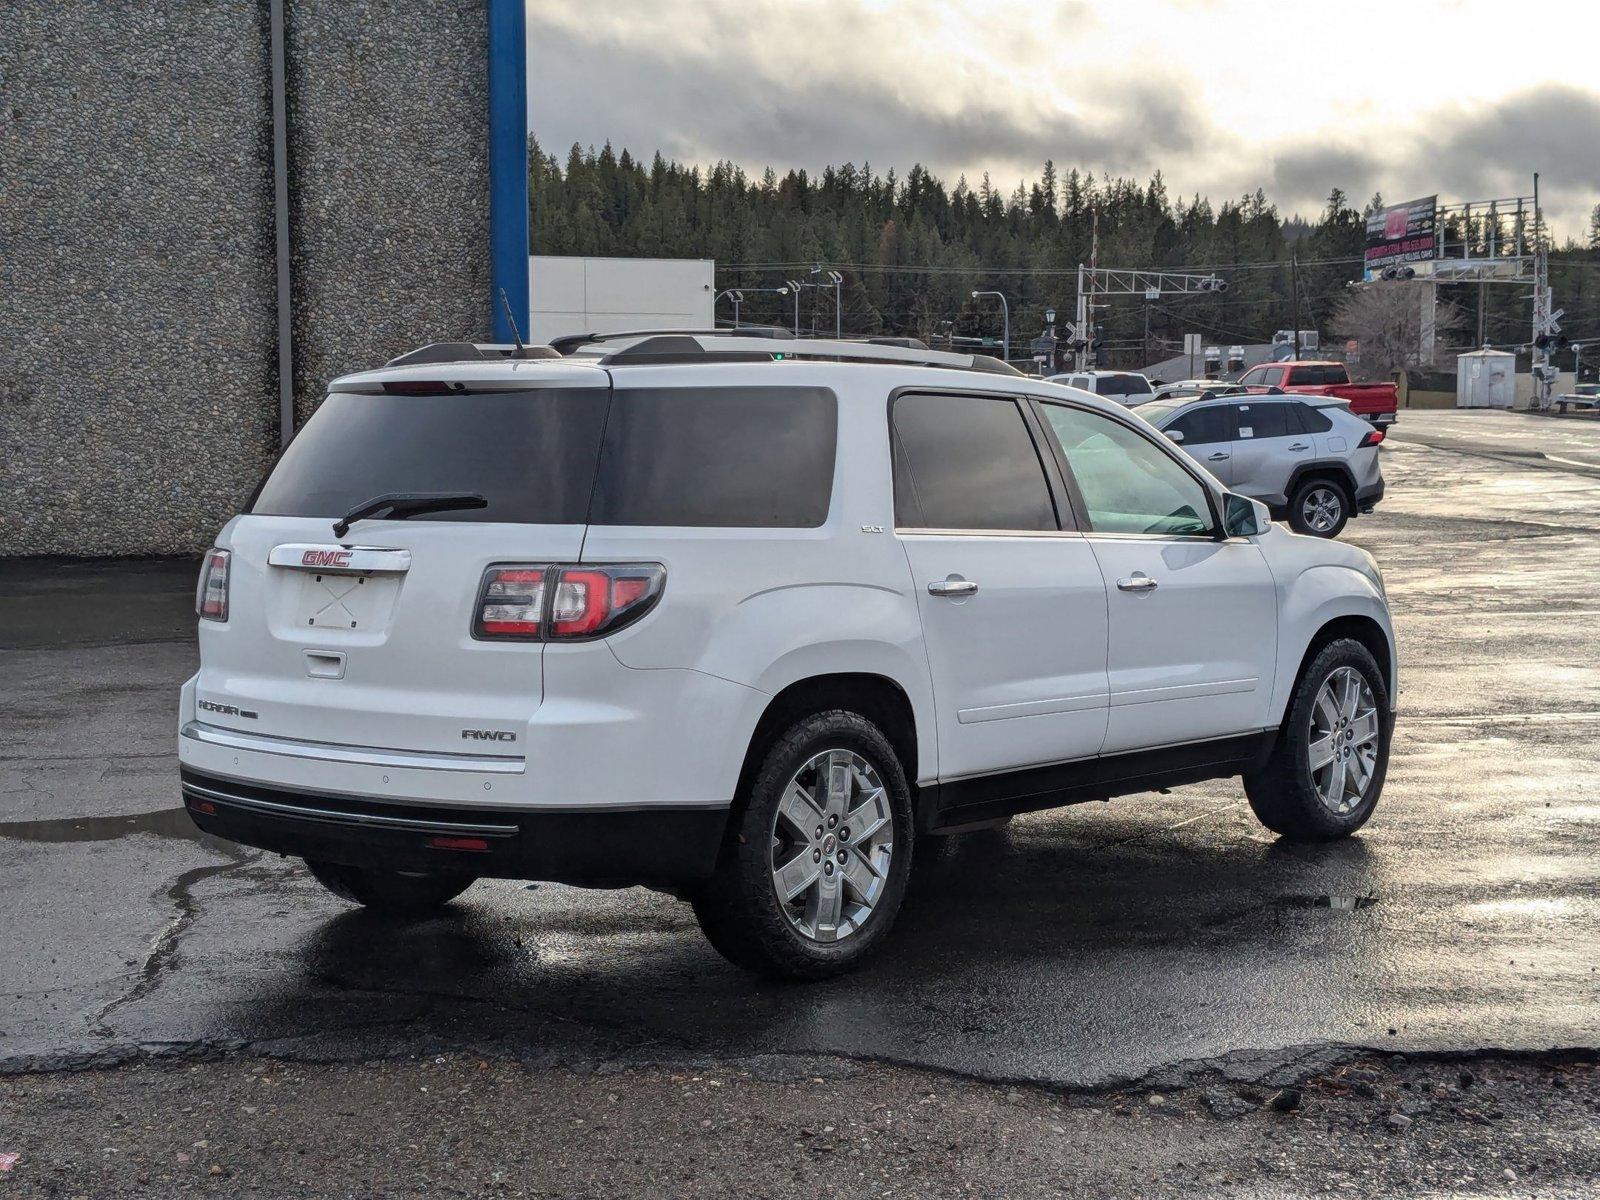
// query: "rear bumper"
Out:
[1369,495]
[1383,419]
[665,845]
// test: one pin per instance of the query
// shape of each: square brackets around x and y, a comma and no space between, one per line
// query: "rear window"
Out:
[1319,376]
[1122,385]
[752,457]
[530,454]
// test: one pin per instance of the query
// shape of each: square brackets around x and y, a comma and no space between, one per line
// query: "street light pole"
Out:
[796,285]
[1005,311]
[838,281]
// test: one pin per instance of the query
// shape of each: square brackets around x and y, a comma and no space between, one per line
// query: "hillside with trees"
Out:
[913,248]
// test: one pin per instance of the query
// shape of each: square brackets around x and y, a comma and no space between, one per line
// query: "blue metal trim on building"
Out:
[508,164]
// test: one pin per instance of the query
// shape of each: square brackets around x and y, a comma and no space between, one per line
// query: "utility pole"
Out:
[1080,334]
[1294,286]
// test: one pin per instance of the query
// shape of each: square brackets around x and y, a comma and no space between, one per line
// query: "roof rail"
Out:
[453,352]
[696,346]
[569,342]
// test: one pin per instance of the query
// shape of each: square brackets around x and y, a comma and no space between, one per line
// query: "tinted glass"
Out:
[1129,484]
[967,463]
[1201,426]
[1263,420]
[1122,385]
[1312,420]
[1318,376]
[530,454]
[727,457]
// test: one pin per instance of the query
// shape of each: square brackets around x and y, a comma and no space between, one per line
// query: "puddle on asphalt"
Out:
[166,823]
[1336,903]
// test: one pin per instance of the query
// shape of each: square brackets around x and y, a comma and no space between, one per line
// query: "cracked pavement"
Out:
[1156,941]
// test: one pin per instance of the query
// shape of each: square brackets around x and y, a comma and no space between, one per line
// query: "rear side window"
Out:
[530,454]
[1319,376]
[1312,420]
[965,462]
[1260,420]
[1202,426]
[752,457]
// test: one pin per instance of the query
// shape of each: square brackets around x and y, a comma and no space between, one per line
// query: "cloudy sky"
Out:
[1222,96]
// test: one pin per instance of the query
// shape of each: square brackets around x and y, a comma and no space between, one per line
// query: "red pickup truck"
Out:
[1377,402]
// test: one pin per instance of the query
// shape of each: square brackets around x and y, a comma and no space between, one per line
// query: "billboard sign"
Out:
[1401,233]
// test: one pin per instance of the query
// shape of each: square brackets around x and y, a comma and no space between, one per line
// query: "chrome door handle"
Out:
[952,587]
[1299,446]
[1219,456]
[1138,582]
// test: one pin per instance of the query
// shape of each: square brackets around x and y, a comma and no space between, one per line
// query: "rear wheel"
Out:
[1319,507]
[400,892]
[815,865]
[1328,765]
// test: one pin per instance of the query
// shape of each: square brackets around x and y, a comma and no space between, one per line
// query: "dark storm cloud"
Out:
[1492,150]
[700,104]
[1302,176]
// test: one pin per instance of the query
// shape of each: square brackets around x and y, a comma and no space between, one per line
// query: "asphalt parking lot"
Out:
[1160,943]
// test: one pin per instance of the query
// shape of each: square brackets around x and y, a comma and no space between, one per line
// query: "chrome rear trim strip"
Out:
[370,756]
[274,808]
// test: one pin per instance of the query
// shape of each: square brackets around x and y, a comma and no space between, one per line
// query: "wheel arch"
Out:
[1328,603]
[1322,469]
[879,698]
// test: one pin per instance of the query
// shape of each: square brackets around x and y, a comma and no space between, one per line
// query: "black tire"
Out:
[739,910]
[1282,792]
[397,892]
[1333,492]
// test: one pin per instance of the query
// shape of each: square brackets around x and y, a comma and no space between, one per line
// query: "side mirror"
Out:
[1175,435]
[1244,517]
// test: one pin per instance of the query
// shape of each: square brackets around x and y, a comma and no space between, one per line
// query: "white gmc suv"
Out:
[741,618]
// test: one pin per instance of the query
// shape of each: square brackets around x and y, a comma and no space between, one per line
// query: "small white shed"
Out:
[1486,379]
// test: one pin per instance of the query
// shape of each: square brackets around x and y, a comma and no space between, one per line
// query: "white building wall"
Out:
[599,295]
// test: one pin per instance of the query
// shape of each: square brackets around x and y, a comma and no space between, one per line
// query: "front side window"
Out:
[966,462]
[1128,483]
[1271,377]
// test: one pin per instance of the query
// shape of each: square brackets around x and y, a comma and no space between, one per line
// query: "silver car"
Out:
[1307,458]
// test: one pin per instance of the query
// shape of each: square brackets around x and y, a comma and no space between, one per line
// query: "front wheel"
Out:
[815,864]
[1319,507]
[1327,767]
[400,892]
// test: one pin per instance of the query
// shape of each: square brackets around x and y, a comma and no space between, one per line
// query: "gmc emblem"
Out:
[325,558]
[489,735]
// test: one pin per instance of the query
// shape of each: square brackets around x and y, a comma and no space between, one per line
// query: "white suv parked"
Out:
[741,618]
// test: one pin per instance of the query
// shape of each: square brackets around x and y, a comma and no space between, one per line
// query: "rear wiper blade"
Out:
[401,505]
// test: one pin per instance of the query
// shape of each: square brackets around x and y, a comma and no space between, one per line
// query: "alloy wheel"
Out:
[1321,509]
[1342,745]
[831,841]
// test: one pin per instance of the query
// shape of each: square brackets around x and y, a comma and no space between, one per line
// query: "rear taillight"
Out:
[1373,438]
[511,603]
[530,602]
[211,595]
